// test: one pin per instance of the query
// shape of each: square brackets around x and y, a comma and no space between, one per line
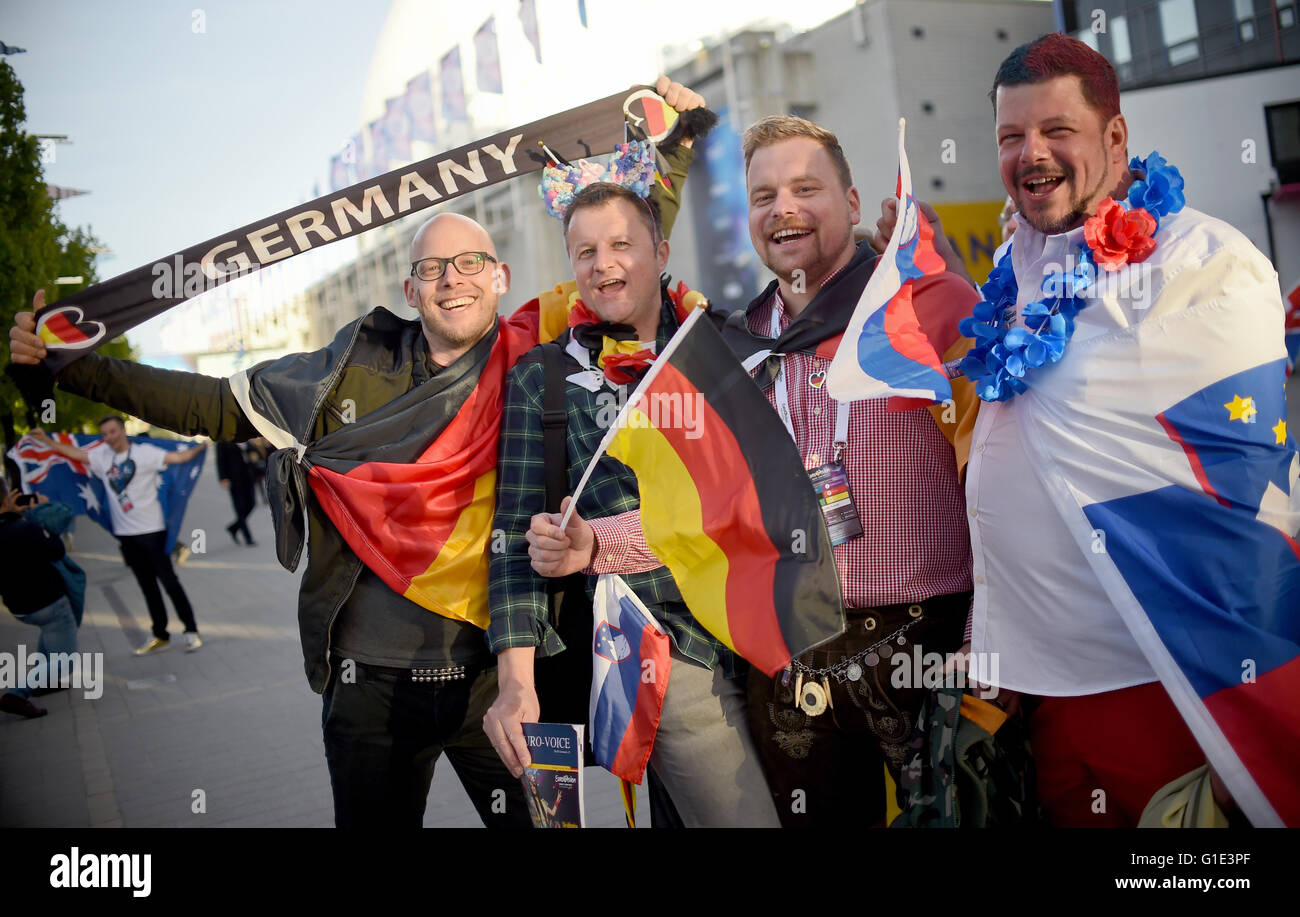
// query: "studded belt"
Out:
[447,673]
[425,674]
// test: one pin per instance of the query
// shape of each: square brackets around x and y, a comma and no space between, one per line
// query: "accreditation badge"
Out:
[831,482]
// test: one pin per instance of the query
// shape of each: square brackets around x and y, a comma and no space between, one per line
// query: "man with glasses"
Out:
[401,684]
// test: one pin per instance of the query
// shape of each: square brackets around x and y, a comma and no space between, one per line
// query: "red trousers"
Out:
[1126,744]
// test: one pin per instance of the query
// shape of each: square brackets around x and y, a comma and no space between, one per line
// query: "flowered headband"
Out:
[633,167]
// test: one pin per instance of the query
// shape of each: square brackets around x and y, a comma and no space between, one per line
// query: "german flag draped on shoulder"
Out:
[726,503]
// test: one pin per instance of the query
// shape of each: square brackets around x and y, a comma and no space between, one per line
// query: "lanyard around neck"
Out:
[783,398]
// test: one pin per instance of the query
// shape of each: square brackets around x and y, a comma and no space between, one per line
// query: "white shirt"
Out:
[1038,604]
[131,479]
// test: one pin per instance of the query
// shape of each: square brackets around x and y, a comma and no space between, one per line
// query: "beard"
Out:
[451,333]
[1082,205]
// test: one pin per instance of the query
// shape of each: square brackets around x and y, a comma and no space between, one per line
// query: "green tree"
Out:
[36,248]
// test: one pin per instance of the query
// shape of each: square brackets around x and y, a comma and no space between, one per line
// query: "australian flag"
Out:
[885,351]
[628,681]
[46,472]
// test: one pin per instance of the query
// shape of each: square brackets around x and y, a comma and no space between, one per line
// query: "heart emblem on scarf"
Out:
[119,476]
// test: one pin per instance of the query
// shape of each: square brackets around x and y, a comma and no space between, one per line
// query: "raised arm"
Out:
[187,403]
[879,240]
[66,450]
[182,456]
[679,156]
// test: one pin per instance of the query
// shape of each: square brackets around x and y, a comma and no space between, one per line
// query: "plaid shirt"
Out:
[903,478]
[517,593]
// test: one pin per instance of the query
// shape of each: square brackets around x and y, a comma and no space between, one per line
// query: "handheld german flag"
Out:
[726,503]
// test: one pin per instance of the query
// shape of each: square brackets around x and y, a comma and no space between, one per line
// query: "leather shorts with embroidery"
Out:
[878,707]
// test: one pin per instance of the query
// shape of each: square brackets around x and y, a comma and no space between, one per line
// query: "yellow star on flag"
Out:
[1242,409]
[1280,432]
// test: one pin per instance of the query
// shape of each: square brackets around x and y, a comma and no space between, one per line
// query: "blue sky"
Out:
[180,135]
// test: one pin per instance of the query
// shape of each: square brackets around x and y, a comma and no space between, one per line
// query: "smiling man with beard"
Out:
[826,723]
[1125,618]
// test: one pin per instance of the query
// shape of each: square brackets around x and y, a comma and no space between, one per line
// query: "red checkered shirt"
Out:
[903,478]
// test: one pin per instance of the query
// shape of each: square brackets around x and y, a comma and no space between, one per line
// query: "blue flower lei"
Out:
[1004,355]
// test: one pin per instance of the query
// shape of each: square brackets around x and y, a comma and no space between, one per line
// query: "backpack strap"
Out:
[555,426]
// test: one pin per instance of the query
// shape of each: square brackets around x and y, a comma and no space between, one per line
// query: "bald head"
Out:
[458,308]
[441,234]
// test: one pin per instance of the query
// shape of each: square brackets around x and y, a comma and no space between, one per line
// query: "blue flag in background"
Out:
[46,472]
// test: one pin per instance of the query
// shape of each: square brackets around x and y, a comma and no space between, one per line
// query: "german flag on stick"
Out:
[726,503]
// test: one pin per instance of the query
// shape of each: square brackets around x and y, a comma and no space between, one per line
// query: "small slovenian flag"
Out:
[629,677]
[885,349]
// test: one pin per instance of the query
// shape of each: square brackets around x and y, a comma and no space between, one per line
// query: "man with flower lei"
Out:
[1132,487]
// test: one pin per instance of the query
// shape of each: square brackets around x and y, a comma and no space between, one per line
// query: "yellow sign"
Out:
[972,228]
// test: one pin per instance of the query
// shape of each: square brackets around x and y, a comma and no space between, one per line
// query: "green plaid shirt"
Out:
[517,593]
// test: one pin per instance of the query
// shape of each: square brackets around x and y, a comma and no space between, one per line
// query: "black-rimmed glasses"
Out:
[467,263]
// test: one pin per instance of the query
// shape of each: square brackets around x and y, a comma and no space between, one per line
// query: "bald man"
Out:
[400,683]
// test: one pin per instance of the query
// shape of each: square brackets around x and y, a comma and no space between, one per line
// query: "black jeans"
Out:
[828,770]
[242,500]
[384,733]
[146,555]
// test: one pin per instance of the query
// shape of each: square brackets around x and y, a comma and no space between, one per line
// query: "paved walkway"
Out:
[235,719]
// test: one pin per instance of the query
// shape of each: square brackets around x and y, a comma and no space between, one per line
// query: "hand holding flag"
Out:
[558,550]
[885,351]
[25,346]
[879,240]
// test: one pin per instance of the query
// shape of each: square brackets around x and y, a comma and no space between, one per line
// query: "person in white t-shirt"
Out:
[130,475]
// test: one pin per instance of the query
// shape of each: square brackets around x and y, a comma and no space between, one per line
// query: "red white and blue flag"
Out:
[42,470]
[1180,482]
[1216,571]
[885,351]
[629,678]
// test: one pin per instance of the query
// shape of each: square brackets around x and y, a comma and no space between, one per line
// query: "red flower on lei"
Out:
[1118,237]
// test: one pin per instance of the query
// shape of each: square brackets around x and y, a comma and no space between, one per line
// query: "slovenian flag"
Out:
[726,503]
[629,677]
[43,471]
[1216,572]
[885,350]
[1181,484]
